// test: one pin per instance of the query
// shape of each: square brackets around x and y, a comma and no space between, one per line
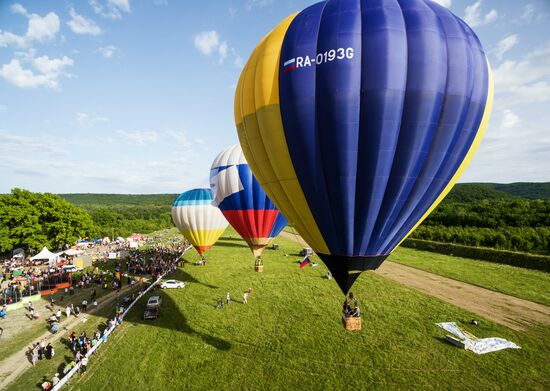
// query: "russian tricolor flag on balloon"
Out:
[243,202]
[289,65]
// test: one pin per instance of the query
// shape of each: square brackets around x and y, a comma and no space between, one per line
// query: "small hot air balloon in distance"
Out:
[243,202]
[357,118]
[199,221]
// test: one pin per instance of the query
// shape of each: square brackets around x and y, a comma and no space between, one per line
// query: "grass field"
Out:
[527,284]
[289,336]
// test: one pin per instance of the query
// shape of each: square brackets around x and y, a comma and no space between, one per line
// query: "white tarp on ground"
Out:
[477,345]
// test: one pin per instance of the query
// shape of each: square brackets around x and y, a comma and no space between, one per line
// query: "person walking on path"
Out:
[227,297]
[245,297]
[84,305]
[68,311]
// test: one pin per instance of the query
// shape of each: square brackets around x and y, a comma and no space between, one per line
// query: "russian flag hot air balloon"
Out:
[198,219]
[243,202]
[357,117]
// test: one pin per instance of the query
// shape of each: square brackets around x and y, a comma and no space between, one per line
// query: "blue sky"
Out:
[128,96]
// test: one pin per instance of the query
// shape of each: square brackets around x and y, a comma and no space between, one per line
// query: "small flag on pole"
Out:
[305,262]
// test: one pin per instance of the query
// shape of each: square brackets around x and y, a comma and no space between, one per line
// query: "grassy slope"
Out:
[524,283]
[289,336]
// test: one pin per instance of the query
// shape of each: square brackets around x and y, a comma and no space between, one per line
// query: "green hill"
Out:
[87,199]
[468,192]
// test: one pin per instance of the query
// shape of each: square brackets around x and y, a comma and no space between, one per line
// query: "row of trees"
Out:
[527,239]
[32,220]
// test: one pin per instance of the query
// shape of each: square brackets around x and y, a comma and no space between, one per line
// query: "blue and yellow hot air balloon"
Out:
[358,117]
[243,202]
[197,219]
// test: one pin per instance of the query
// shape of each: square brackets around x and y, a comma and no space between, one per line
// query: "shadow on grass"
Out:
[222,243]
[181,275]
[236,239]
[172,317]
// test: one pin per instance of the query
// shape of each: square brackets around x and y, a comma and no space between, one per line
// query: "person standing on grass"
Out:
[83,364]
[34,354]
[227,297]
[68,311]
[245,297]
[84,305]
[55,379]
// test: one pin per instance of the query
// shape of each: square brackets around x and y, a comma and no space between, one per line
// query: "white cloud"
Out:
[81,25]
[209,43]
[473,15]
[138,138]
[123,5]
[257,4]
[87,121]
[11,142]
[222,51]
[444,3]
[528,13]
[506,44]
[39,29]
[509,119]
[533,68]
[45,73]
[107,51]
[3,108]
[112,9]
[18,9]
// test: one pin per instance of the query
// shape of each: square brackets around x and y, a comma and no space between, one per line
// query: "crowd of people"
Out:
[156,261]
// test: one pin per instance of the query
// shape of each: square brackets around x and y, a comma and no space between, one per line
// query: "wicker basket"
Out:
[352,322]
[259,268]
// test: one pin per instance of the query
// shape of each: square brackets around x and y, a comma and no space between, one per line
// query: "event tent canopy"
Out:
[46,254]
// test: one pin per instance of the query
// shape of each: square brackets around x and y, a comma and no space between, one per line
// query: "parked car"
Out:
[168,284]
[151,313]
[70,268]
[154,302]
[306,251]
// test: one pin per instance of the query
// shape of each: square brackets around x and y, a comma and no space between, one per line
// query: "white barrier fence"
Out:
[106,334]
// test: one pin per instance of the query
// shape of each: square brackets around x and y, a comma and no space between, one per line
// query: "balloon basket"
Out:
[351,322]
[259,268]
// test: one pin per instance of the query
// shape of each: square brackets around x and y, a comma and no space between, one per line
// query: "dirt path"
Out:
[509,311]
[13,366]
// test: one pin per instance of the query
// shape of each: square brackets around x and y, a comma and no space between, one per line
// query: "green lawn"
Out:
[289,336]
[524,283]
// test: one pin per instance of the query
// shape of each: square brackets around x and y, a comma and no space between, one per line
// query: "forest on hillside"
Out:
[504,216]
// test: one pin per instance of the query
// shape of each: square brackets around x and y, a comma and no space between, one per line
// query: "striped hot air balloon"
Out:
[198,219]
[243,202]
[357,117]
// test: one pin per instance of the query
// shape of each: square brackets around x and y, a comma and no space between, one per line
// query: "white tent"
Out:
[46,254]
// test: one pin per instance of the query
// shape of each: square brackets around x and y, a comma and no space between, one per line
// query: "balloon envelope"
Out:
[243,202]
[197,219]
[358,117]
